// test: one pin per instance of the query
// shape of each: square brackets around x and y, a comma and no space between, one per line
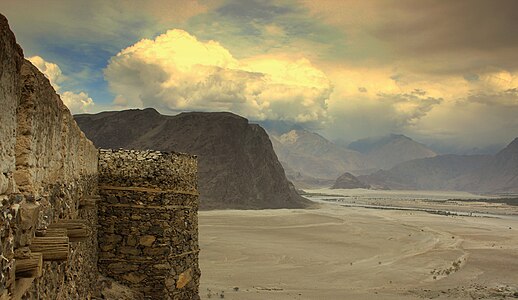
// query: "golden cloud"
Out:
[76,102]
[178,72]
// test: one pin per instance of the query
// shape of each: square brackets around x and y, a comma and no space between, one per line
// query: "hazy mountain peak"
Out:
[366,145]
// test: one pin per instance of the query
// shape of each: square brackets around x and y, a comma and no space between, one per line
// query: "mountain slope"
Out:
[237,165]
[434,173]
[500,174]
[312,157]
[388,151]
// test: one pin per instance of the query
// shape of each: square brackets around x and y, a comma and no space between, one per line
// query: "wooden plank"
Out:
[77,229]
[89,202]
[53,247]
[29,267]
[56,232]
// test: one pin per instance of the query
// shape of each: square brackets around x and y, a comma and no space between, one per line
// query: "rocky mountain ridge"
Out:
[237,165]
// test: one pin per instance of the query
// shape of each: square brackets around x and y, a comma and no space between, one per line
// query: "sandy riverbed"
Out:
[335,252]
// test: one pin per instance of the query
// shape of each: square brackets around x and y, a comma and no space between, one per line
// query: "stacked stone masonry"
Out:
[50,209]
[148,233]
[47,169]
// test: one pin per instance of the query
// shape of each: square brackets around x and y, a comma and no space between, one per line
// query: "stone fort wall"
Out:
[48,171]
[49,201]
[148,233]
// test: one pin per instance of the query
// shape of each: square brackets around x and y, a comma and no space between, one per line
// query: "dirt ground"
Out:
[335,252]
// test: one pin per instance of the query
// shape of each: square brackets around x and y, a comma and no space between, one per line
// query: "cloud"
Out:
[409,108]
[50,70]
[435,37]
[76,102]
[450,109]
[266,27]
[178,72]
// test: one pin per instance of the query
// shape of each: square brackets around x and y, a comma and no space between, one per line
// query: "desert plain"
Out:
[337,251]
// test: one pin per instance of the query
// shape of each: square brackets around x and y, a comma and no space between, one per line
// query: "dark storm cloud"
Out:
[451,35]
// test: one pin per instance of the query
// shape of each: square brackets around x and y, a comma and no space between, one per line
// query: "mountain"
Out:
[313,160]
[388,151]
[500,174]
[349,181]
[434,173]
[237,165]
[279,127]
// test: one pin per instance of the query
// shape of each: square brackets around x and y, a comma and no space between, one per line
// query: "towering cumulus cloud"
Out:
[76,102]
[177,72]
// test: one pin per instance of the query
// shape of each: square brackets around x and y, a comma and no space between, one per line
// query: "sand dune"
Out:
[335,252]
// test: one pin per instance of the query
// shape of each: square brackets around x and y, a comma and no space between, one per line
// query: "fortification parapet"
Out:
[148,233]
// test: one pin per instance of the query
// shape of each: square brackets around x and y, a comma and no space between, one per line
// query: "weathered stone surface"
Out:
[48,169]
[147,240]
[148,225]
[11,59]
[46,166]
[133,277]
[184,278]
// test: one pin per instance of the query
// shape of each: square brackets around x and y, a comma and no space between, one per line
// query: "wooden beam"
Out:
[89,202]
[77,229]
[52,247]
[30,266]
[56,232]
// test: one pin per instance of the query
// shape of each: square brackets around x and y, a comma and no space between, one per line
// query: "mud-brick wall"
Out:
[48,173]
[148,223]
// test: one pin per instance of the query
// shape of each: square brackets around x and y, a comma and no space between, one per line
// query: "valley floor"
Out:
[336,252]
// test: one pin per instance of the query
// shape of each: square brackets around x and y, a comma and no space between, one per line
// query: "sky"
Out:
[442,72]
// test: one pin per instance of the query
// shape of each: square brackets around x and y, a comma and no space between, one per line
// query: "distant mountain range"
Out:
[432,173]
[311,160]
[474,173]
[387,151]
[499,174]
[237,165]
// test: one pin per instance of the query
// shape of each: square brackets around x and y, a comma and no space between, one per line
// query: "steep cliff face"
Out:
[48,168]
[237,165]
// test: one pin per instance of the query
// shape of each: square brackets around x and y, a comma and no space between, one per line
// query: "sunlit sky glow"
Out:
[443,72]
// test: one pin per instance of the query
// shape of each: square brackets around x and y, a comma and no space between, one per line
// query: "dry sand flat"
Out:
[335,252]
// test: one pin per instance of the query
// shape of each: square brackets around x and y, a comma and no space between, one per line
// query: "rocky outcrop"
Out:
[349,181]
[237,165]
